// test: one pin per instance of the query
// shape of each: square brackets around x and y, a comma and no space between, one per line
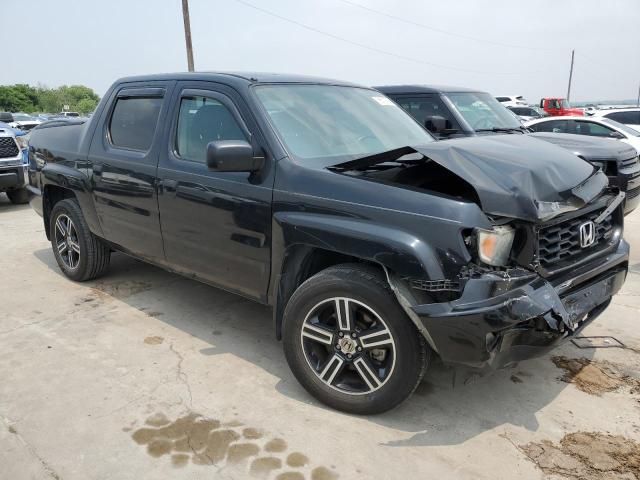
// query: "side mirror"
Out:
[232,156]
[435,124]
[616,135]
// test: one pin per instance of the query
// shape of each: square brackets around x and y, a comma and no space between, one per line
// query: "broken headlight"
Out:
[494,246]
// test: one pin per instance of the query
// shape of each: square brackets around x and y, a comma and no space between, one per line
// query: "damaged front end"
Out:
[549,265]
[502,317]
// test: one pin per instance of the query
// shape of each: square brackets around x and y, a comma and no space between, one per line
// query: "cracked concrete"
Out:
[78,379]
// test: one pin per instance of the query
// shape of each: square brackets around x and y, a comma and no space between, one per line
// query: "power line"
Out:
[438,30]
[375,49]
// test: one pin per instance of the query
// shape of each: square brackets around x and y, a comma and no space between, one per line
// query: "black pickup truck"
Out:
[376,246]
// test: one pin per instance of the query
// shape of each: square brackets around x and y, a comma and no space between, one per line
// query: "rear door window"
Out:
[592,129]
[555,126]
[133,122]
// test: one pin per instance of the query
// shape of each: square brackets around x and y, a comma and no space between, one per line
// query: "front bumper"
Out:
[500,319]
[13,176]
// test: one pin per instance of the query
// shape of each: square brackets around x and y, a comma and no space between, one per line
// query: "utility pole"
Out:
[187,33]
[570,75]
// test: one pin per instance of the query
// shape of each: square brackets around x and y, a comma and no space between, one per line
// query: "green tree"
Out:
[86,105]
[25,98]
[15,98]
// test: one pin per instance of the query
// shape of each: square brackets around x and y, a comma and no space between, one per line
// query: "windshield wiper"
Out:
[521,129]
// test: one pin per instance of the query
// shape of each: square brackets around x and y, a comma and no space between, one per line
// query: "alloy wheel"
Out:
[66,240]
[348,346]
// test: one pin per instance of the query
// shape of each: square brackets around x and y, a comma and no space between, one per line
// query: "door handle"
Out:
[169,185]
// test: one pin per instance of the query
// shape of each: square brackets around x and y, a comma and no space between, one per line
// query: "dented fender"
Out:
[402,252]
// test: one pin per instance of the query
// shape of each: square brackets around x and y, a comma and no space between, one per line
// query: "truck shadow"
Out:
[444,410]
[7,206]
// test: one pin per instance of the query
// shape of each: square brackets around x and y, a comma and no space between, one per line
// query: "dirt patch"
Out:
[120,289]
[595,377]
[153,340]
[195,439]
[587,456]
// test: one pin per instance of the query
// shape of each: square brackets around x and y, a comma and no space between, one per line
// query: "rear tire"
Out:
[350,344]
[80,254]
[19,196]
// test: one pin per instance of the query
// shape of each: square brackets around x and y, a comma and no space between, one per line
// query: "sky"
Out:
[506,47]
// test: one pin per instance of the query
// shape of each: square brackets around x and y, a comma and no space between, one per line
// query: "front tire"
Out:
[350,344]
[19,196]
[80,254]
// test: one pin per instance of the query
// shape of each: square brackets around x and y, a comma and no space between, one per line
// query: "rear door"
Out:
[215,225]
[124,154]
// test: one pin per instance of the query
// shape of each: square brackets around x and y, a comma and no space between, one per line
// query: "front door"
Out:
[216,225]
[124,158]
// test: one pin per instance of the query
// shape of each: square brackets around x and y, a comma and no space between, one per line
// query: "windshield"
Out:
[482,111]
[327,121]
[632,132]
[21,117]
[565,103]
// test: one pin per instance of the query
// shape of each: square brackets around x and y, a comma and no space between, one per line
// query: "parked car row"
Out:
[14,160]
[378,244]
[556,107]
[26,122]
[452,112]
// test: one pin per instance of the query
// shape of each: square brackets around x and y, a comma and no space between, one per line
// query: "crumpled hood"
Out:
[512,174]
[589,148]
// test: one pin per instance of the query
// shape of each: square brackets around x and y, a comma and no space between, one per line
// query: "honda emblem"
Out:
[587,234]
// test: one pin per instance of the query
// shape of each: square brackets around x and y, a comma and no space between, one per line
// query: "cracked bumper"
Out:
[499,320]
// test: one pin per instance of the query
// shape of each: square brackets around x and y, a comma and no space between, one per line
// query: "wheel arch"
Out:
[304,244]
[59,183]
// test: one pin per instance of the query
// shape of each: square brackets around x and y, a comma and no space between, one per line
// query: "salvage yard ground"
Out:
[143,374]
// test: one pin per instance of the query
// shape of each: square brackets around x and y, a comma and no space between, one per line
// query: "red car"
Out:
[558,107]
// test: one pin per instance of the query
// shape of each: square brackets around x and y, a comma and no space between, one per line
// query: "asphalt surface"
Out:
[144,374]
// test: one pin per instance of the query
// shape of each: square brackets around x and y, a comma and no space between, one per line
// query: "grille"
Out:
[561,242]
[8,147]
[629,162]
[633,193]
[435,285]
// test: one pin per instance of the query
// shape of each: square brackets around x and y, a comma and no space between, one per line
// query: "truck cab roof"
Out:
[237,78]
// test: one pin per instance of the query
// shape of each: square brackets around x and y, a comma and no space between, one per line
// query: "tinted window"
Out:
[430,112]
[202,120]
[555,126]
[593,129]
[625,117]
[525,111]
[503,99]
[133,122]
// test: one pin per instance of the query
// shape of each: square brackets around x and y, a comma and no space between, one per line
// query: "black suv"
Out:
[376,246]
[452,112]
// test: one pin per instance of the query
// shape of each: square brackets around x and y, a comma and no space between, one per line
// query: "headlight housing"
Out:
[494,246]
[22,142]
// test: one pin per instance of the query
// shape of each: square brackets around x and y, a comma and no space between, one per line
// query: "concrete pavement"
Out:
[144,374]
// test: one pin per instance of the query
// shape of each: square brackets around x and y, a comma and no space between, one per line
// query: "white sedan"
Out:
[593,126]
[629,116]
